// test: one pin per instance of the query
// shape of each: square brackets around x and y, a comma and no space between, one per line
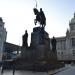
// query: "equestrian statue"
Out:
[40,17]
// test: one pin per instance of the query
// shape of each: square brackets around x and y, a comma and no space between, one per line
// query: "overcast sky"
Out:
[18,16]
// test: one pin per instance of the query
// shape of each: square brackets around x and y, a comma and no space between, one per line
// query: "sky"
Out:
[18,16]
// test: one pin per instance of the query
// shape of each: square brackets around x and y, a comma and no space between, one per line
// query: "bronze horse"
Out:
[39,17]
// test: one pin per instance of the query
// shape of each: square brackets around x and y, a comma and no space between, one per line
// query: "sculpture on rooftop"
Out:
[40,17]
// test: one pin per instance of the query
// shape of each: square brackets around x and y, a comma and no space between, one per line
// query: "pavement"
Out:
[59,70]
[67,70]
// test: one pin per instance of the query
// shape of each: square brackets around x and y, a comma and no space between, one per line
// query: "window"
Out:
[73,42]
[72,28]
[58,53]
[61,53]
[61,44]
[73,52]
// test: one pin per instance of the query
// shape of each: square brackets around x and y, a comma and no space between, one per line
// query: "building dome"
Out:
[72,20]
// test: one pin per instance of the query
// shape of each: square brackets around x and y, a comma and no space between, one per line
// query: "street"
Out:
[19,72]
[69,71]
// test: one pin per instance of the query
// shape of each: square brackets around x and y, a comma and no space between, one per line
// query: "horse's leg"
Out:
[44,25]
[35,21]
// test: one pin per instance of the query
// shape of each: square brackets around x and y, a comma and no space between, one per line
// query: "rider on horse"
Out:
[43,18]
[40,17]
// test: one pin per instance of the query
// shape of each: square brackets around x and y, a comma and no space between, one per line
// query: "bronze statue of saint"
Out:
[43,18]
[25,39]
[53,43]
[40,17]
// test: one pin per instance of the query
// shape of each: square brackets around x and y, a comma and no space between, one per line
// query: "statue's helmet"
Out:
[40,9]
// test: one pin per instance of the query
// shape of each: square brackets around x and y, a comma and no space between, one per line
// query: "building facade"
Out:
[66,44]
[3,34]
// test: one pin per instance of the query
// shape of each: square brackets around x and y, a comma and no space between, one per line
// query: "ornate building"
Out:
[66,45]
[3,34]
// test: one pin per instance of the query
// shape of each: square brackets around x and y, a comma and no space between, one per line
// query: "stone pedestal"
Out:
[40,36]
[40,41]
[38,56]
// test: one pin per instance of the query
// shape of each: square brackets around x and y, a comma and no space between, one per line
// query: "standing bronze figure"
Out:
[53,42]
[25,39]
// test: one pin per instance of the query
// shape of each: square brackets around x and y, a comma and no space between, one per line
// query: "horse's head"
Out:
[35,11]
